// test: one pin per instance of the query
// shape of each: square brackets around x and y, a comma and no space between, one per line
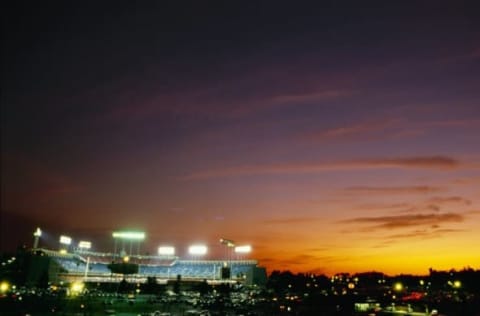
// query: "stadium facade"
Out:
[89,266]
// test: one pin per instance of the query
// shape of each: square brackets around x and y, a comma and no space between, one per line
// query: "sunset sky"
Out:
[341,138]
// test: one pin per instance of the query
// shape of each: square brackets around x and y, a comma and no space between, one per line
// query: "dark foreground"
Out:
[38,303]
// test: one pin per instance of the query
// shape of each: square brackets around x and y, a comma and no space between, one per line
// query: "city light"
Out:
[129,235]
[166,250]
[457,284]
[4,287]
[243,249]
[65,240]
[77,287]
[197,250]
[398,286]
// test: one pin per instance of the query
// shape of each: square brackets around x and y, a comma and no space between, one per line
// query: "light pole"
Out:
[130,236]
[37,234]
[85,245]
[230,244]
[197,250]
[166,251]
[243,250]
[65,241]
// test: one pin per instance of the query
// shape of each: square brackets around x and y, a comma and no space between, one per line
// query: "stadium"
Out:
[72,263]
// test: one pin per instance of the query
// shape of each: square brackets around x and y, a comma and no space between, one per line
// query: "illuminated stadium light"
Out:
[243,249]
[84,245]
[197,250]
[129,235]
[166,250]
[65,240]
[38,232]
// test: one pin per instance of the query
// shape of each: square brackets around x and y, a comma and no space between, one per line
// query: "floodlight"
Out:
[65,240]
[166,250]
[243,249]
[38,232]
[85,244]
[197,250]
[129,235]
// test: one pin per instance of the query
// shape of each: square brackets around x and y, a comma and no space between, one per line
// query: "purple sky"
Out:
[328,137]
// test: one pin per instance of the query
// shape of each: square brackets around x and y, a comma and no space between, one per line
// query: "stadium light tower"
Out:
[229,244]
[37,234]
[166,251]
[84,245]
[65,241]
[243,249]
[129,236]
[197,250]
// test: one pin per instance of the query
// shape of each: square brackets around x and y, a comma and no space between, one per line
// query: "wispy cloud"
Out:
[352,131]
[450,200]
[381,206]
[421,189]
[425,233]
[401,221]
[292,220]
[309,96]
[386,128]
[422,162]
